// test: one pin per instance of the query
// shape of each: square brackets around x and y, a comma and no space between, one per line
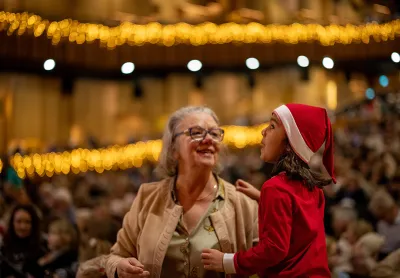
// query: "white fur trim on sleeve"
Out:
[229,263]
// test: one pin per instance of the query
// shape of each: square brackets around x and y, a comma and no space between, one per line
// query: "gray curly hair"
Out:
[167,164]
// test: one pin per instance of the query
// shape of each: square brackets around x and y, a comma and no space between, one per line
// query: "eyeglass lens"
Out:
[198,133]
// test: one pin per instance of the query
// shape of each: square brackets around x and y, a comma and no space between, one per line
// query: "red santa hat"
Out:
[308,128]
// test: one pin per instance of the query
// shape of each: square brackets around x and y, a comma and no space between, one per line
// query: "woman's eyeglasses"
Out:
[199,134]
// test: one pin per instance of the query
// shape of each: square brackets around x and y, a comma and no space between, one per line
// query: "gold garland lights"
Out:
[206,33]
[115,157]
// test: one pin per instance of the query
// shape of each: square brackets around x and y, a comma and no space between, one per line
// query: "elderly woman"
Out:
[172,220]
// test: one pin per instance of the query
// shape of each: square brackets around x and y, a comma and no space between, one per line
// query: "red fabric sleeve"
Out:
[275,226]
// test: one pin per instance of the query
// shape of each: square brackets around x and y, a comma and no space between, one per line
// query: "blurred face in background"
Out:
[46,196]
[195,147]
[22,223]
[54,241]
[274,141]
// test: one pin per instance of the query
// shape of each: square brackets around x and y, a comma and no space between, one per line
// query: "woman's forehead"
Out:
[198,119]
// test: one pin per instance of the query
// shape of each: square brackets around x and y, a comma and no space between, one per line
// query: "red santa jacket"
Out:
[291,230]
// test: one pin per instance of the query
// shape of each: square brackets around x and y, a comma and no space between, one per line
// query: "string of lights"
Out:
[202,34]
[115,157]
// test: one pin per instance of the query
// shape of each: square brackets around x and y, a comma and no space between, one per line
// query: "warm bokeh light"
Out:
[49,64]
[128,68]
[116,157]
[331,95]
[328,63]
[252,63]
[205,33]
[303,61]
[194,65]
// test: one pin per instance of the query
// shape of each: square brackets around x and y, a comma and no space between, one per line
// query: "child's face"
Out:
[54,241]
[273,143]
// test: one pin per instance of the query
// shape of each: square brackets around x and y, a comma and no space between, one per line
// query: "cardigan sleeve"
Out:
[275,225]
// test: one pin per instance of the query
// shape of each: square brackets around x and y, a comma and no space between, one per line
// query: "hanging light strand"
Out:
[115,157]
[202,34]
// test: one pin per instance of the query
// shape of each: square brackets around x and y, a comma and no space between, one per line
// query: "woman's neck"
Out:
[193,183]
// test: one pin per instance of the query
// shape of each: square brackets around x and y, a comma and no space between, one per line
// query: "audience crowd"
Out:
[49,226]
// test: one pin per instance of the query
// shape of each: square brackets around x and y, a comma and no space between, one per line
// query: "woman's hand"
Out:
[213,260]
[131,268]
[248,189]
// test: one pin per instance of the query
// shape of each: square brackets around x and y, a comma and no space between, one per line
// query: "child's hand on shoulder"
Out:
[213,260]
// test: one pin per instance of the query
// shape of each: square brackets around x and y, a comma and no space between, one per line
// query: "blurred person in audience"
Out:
[394,188]
[12,185]
[352,194]
[63,250]
[98,238]
[343,217]
[192,208]
[333,258]
[385,209]
[94,268]
[95,245]
[3,209]
[332,251]
[389,267]
[356,230]
[22,244]
[365,254]
[62,205]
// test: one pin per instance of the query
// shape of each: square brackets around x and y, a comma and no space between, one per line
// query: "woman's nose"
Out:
[207,139]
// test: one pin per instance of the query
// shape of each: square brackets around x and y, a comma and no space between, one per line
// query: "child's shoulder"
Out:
[276,181]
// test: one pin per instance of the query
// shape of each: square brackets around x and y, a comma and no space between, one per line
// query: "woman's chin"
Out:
[206,163]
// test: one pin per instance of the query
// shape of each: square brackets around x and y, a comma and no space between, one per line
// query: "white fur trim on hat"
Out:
[293,133]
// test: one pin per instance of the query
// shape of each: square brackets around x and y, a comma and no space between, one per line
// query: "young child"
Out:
[291,206]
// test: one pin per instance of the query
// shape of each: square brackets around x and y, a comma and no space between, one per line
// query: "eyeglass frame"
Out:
[188,131]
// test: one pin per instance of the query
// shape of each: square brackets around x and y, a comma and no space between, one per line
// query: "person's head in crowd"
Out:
[46,194]
[352,183]
[83,216]
[23,228]
[191,140]
[98,239]
[62,236]
[93,268]
[342,217]
[101,209]
[365,253]
[62,200]
[383,206]
[356,230]
[389,267]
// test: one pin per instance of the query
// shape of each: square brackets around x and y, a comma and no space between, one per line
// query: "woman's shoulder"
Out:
[157,187]
[234,196]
